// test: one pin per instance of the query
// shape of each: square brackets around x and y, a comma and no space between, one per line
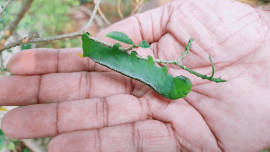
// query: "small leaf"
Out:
[9,50]
[11,145]
[144,44]
[1,133]
[26,46]
[26,149]
[2,143]
[119,36]
[14,140]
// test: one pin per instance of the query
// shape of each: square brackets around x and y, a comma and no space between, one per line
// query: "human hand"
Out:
[105,111]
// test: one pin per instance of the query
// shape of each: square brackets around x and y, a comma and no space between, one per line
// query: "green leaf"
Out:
[9,50]
[11,145]
[14,140]
[144,44]
[1,133]
[2,143]
[119,36]
[26,150]
[26,46]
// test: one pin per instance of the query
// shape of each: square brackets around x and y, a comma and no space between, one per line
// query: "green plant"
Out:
[7,142]
[143,69]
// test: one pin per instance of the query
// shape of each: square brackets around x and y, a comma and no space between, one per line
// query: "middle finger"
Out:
[57,87]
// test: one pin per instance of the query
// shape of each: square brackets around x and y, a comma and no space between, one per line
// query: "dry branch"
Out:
[14,23]
[1,10]
[101,14]
[58,37]
[88,12]
[136,7]
[38,40]
[33,145]
[119,9]
[92,17]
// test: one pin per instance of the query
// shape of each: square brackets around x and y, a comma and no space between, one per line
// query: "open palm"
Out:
[105,111]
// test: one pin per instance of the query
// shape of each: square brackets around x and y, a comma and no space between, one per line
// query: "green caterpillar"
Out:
[143,70]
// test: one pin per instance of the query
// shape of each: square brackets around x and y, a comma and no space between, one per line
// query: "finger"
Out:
[43,61]
[57,118]
[150,135]
[57,87]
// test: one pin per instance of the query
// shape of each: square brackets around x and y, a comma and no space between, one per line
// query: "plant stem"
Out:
[217,80]
[186,49]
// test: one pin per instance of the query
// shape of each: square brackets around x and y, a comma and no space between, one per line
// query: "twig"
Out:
[2,65]
[186,49]
[119,9]
[14,23]
[88,12]
[176,62]
[19,42]
[58,37]
[136,7]
[217,80]
[102,15]
[213,69]
[38,40]
[33,145]
[1,10]
[140,9]
[92,17]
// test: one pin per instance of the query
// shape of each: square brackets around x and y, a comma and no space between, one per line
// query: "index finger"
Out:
[44,61]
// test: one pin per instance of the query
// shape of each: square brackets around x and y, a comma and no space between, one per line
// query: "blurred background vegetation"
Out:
[57,17]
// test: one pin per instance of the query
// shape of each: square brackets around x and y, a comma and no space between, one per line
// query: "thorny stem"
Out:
[176,62]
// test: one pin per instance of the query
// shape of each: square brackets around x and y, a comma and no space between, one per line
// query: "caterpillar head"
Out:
[181,86]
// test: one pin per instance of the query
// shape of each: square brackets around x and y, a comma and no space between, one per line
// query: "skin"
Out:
[105,111]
